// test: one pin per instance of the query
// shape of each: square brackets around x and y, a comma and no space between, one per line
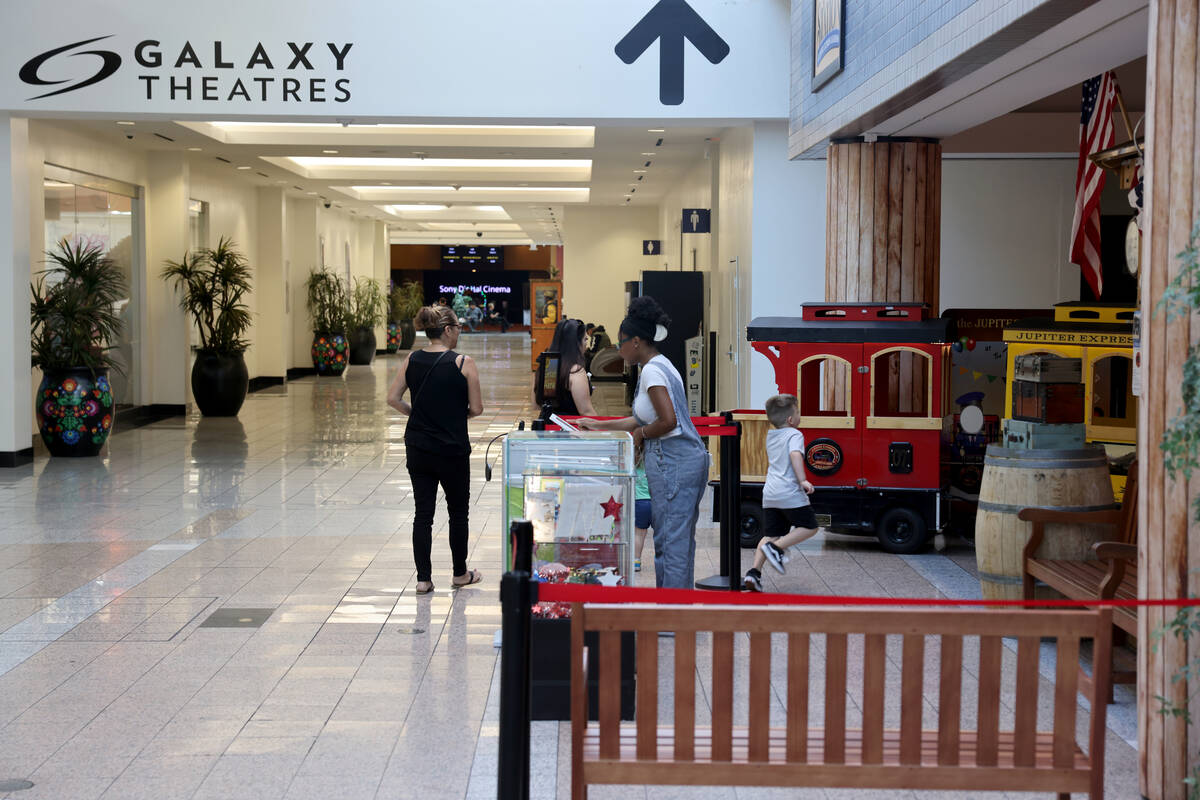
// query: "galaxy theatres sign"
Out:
[208,71]
[463,288]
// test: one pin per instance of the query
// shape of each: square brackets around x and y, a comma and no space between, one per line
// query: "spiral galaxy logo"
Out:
[109,63]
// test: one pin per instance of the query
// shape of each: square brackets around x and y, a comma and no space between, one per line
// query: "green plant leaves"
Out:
[213,283]
[328,302]
[73,311]
[367,304]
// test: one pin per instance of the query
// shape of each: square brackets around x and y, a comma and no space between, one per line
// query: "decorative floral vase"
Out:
[393,337]
[74,411]
[330,353]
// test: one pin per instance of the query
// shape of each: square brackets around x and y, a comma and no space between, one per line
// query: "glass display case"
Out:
[577,490]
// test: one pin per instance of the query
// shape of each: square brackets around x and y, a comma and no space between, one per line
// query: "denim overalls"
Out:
[677,471]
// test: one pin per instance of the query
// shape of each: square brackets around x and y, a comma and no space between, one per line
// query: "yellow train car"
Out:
[1101,337]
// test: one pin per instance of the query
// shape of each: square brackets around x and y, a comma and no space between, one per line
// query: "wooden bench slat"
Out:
[835,698]
[579,697]
[797,698]
[610,692]
[1044,747]
[1066,674]
[647,694]
[949,700]
[912,697]
[874,663]
[760,694]
[988,714]
[722,696]
[1026,699]
[685,695]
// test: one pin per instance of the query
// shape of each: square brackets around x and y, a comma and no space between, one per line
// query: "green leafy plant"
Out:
[405,301]
[73,314]
[367,305]
[213,283]
[1181,458]
[328,303]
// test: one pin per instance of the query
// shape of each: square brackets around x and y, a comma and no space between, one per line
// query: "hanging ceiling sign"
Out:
[280,58]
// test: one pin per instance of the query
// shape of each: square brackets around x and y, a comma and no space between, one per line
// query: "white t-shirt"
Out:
[781,489]
[654,373]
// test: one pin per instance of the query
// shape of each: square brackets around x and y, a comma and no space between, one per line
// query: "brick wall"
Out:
[888,46]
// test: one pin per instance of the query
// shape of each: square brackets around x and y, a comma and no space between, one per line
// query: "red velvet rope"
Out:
[590,593]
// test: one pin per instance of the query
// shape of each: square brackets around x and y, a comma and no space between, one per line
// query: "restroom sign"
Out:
[651,247]
[697,220]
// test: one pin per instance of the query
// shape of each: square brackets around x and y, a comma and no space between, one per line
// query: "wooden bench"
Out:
[1104,578]
[723,753]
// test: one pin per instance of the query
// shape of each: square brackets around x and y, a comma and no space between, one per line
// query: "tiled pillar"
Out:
[16,385]
[272,326]
[1169,539]
[165,353]
[883,221]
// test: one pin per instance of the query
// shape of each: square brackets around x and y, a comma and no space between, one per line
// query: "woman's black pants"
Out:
[427,470]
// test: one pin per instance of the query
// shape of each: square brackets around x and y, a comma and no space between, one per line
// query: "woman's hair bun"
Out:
[647,309]
[434,319]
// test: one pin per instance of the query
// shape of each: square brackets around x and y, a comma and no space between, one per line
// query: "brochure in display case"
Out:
[577,489]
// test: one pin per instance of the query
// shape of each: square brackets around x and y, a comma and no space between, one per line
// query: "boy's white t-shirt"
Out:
[654,373]
[782,489]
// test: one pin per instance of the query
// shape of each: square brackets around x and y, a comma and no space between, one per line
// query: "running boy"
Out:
[785,493]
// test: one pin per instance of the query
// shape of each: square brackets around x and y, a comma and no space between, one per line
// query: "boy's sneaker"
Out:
[752,582]
[637,565]
[775,556]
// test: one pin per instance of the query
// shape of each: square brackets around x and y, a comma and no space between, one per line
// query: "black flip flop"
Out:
[473,576]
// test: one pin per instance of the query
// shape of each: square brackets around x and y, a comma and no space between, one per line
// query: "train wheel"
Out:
[901,530]
[751,524]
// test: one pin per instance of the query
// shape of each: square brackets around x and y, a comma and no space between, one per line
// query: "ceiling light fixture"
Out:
[195,149]
[123,122]
[656,130]
[243,167]
[649,154]
[329,151]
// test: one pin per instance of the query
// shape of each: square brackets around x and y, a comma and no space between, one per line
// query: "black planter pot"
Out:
[408,334]
[74,411]
[362,347]
[219,383]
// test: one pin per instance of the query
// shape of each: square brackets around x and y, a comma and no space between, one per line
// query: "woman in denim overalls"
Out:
[676,460]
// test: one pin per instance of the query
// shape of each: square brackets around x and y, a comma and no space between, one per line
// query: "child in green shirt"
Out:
[641,514]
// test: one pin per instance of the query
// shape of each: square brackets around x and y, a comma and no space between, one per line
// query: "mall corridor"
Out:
[224,608]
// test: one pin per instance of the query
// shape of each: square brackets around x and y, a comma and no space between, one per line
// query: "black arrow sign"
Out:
[671,22]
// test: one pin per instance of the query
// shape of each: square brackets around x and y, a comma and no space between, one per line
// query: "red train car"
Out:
[872,381]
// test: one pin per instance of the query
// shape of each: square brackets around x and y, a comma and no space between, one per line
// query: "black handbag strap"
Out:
[429,372]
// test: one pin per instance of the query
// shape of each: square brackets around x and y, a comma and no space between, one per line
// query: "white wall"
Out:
[1006,230]
[602,248]
[729,285]
[694,190]
[788,242]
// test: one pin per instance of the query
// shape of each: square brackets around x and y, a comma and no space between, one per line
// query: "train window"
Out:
[1112,402]
[823,389]
[901,383]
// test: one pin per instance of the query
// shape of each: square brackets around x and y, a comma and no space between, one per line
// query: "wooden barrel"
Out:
[1070,480]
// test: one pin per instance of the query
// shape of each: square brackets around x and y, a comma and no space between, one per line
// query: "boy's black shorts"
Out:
[778,521]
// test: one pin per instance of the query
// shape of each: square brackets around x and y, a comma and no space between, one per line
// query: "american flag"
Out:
[1095,133]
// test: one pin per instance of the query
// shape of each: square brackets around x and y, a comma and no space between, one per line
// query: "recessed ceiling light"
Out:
[656,130]
[126,123]
[310,192]
[639,171]
[195,149]
[243,168]
[329,151]
[649,154]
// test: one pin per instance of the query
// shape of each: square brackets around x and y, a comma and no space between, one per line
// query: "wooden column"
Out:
[1169,543]
[883,221]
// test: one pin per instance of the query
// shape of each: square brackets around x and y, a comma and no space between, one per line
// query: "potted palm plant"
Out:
[212,284]
[407,299]
[367,305]
[74,320]
[328,306]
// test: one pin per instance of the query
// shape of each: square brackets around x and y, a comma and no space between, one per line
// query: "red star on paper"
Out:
[612,508]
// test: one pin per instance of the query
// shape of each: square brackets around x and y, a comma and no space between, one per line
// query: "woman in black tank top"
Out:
[444,393]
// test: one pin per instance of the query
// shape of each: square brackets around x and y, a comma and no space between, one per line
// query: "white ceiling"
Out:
[436,183]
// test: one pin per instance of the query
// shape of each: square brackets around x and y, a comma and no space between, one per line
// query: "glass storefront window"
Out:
[105,217]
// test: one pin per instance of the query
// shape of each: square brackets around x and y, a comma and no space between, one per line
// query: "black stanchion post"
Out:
[731,486]
[518,593]
[728,500]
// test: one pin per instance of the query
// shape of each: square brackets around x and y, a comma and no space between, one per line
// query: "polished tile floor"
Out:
[325,677]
